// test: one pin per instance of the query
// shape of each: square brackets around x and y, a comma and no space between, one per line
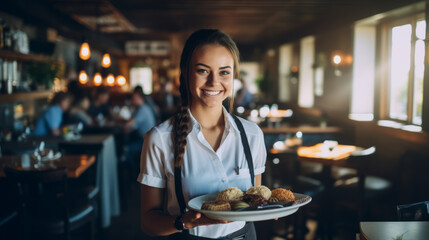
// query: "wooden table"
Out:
[76,164]
[393,230]
[337,157]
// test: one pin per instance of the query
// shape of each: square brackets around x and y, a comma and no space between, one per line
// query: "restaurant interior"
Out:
[337,88]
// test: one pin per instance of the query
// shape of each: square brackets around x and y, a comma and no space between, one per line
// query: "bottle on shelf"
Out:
[1,33]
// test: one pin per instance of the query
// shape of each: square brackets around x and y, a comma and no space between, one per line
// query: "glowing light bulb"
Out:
[97,79]
[83,77]
[120,80]
[337,59]
[85,51]
[110,80]
[105,62]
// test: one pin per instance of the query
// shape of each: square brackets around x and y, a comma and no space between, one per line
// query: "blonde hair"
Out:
[181,119]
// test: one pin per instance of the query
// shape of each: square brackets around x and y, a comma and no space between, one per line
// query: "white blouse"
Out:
[204,170]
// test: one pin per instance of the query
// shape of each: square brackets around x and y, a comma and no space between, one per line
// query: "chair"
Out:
[283,170]
[360,192]
[8,210]
[45,205]
[413,212]
[413,178]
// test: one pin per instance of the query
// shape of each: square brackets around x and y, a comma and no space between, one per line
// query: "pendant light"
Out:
[85,51]
[83,77]
[110,80]
[120,80]
[105,61]
[98,80]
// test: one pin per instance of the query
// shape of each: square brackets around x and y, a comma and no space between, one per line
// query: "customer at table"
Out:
[77,112]
[99,107]
[141,122]
[200,145]
[244,97]
[50,121]
[149,101]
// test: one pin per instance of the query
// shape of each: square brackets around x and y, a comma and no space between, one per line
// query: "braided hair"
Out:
[181,119]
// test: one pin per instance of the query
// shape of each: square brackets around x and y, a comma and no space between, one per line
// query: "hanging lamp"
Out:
[83,77]
[98,80]
[85,51]
[106,61]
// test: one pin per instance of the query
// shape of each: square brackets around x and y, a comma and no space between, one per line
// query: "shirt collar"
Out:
[229,122]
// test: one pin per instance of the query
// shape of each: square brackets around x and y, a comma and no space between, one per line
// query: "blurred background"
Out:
[337,87]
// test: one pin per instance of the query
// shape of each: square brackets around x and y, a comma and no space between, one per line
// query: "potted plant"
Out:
[44,73]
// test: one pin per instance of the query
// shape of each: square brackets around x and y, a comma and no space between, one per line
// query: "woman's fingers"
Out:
[193,219]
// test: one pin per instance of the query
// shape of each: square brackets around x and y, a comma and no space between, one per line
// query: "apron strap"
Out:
[246,147]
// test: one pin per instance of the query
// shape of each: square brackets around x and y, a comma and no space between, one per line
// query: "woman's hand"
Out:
[193,219]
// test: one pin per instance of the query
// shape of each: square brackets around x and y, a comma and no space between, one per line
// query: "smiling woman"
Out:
[199,150]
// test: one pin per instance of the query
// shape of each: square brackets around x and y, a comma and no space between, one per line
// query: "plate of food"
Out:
[256,204]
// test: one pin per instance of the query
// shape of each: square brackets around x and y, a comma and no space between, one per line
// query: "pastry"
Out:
[230,194]
[216,206]
[282,194]
[260,190]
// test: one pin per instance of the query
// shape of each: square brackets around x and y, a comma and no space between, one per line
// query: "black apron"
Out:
[248,231]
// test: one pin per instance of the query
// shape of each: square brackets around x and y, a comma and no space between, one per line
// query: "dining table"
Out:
[101,145]
[332,157]
[76,164]
[401,230]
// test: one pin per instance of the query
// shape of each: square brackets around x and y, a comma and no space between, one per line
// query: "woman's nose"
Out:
[213,79]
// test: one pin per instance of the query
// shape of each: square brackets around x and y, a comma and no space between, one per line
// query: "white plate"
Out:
[250,216]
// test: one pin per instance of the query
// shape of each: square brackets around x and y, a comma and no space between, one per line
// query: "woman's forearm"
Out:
[157,223]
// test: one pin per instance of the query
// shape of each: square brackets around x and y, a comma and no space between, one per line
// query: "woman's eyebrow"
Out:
[225,67]
[202,64]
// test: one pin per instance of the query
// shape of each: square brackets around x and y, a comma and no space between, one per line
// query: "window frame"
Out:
[385,29]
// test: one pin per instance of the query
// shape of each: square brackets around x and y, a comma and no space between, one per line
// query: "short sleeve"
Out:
[54,116]
[151,162]
[260,155]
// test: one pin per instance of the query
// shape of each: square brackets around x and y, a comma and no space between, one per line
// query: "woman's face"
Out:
[211,75]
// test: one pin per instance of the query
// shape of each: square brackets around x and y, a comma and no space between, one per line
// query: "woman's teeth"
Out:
[211,93]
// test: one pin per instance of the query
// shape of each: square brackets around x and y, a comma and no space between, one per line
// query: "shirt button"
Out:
[223,180]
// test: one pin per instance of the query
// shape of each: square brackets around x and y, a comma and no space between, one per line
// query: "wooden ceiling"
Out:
[249,22]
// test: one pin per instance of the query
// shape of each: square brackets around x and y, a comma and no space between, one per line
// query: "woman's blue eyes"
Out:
[222,73]
[202,71]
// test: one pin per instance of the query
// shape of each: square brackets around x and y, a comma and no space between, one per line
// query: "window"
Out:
[141,76]
[406,70]
[306,73]
[362,104]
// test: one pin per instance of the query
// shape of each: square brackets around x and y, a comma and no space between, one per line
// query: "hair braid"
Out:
[181,125]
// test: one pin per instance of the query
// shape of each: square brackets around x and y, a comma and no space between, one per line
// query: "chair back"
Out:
[41,194]
[413,177]
[413,212]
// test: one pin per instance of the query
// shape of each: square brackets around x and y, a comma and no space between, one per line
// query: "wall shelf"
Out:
[7,54]
[21,97]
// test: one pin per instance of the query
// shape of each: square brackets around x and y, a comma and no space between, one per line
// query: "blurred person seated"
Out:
[142,121]
[149,101]
[243,97]
[49,122]
[78,111]
[99,107]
